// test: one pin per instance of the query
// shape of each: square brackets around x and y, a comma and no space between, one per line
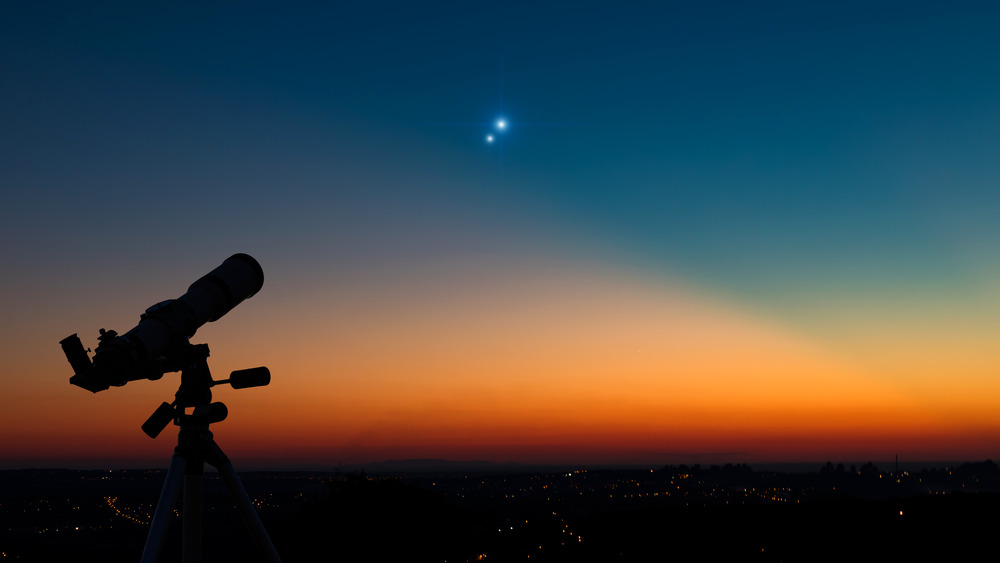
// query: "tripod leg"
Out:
[246,510]
[161,518]
[192,526]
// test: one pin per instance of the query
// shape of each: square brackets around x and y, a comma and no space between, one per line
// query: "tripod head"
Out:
[195,393]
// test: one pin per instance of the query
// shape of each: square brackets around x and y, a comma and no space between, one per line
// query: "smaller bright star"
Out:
[489,138]
[501,124]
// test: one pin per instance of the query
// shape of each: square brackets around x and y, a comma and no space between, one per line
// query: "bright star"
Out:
[501,124]
[489,138]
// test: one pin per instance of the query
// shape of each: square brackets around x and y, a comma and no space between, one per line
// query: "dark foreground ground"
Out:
[673,513]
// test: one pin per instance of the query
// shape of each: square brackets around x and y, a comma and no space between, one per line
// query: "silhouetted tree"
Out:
[869,469]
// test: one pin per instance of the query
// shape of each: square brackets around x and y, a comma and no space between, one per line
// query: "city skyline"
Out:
[704,233]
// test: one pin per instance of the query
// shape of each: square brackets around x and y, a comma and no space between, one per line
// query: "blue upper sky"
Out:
[765,149]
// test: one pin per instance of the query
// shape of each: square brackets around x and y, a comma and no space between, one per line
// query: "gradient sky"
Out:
[713,231]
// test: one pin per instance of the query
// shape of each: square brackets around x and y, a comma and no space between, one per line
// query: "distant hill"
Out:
[394,466]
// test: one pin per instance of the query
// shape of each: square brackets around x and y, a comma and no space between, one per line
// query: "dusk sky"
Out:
[709,232]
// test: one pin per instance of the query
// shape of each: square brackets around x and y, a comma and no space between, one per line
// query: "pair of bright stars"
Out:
[500,125]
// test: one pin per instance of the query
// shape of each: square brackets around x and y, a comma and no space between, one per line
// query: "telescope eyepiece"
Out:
[83,368]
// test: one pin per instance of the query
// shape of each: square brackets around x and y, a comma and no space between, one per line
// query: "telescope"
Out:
[158,343]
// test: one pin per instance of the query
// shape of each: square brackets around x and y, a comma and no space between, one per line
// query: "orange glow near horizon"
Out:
[555,364]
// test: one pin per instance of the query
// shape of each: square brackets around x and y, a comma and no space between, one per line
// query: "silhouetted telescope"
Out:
[158,344]
[161,343]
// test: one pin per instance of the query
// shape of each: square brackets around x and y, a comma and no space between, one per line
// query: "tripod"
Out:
[195,447]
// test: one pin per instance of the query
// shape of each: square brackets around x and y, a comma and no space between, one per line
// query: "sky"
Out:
[710,231]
